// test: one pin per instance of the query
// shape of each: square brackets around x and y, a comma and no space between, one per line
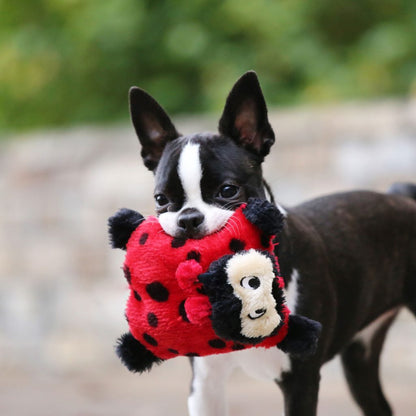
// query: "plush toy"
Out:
[213,295]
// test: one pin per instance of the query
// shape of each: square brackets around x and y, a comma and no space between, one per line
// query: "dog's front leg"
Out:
[207,397]
[300,388]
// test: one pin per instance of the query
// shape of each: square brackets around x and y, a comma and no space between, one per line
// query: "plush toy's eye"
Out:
[250,282]
[161,200]
[228,191]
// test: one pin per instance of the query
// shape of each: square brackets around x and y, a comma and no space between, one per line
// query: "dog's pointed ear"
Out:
[244,118]
[153,126]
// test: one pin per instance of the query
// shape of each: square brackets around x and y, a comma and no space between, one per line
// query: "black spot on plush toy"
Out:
[207,296]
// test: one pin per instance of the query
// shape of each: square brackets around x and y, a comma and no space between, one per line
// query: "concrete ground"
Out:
[163,391]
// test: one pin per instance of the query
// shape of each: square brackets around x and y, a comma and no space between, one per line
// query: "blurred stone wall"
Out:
[62,293]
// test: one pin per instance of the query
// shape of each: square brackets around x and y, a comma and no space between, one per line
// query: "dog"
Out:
[348,259]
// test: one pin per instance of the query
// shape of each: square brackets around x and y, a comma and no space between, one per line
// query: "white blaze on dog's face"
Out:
[190,173]
[251,275]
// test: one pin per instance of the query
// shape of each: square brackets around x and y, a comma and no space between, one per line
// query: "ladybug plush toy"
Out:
[213,295]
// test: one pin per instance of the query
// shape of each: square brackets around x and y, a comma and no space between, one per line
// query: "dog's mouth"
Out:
[192,235]
[200,232]
[194,223]
[258,313]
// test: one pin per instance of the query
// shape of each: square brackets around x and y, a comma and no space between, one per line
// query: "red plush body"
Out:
[167,310]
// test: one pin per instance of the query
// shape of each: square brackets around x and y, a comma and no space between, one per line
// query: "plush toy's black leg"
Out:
[121,225]
[134,355]
[302,336]
[264,215]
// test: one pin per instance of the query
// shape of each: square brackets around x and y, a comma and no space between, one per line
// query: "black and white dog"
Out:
[348,260]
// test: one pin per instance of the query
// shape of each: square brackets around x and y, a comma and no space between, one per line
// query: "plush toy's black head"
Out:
[246,299]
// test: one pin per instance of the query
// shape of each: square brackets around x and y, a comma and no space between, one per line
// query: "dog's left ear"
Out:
[244,118]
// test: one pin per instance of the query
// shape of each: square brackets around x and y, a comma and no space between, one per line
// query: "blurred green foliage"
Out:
[73,61]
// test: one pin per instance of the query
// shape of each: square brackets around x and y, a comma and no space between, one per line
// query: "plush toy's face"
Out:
[251,276]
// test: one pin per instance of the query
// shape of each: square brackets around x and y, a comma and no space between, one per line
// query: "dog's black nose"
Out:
[189,222]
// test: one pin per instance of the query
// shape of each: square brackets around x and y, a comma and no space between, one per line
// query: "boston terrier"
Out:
[348,260]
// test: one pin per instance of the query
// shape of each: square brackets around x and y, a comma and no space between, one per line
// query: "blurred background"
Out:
[340,81]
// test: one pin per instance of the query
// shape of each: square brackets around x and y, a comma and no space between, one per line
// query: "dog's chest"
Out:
[264,364]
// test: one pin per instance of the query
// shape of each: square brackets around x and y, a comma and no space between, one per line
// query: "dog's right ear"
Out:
[244,118]
[153,126]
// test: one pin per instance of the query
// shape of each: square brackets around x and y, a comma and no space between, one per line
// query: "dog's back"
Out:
[362,246]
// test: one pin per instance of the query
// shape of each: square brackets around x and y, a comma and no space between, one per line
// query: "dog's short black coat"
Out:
[354,253]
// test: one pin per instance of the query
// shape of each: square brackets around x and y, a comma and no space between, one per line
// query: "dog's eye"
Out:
[250,282]
[228,191]
[161,200]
